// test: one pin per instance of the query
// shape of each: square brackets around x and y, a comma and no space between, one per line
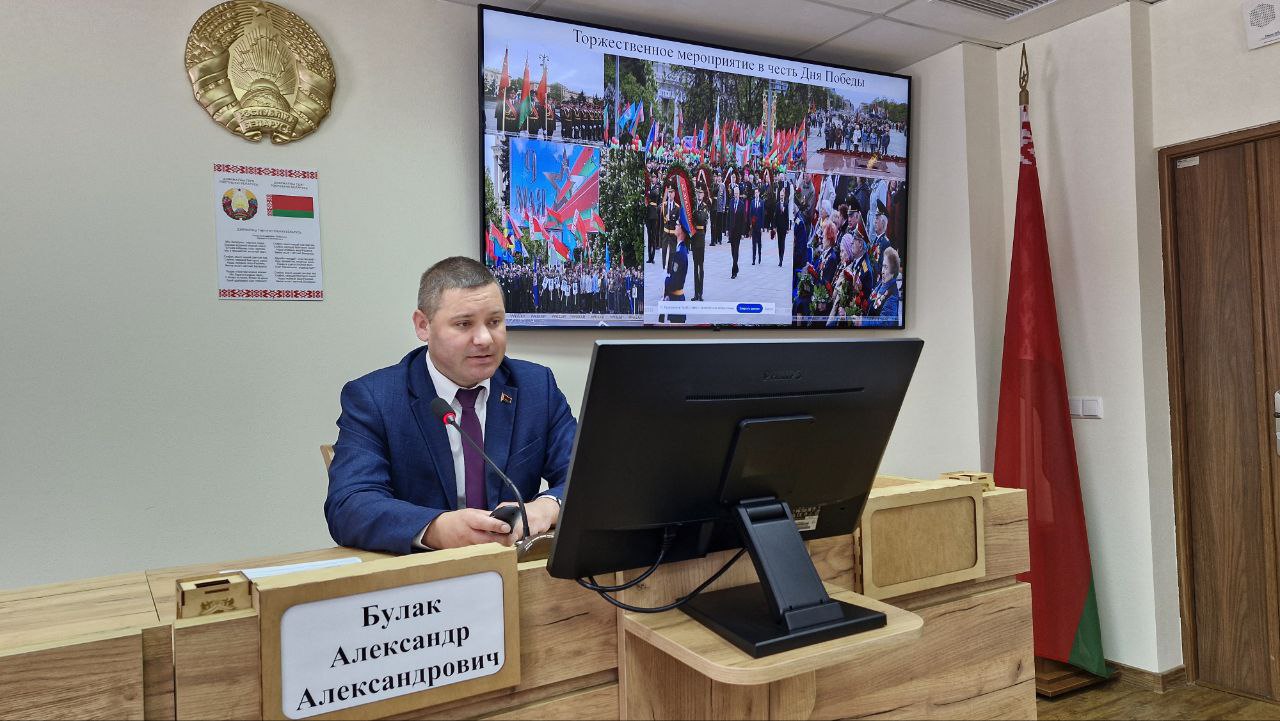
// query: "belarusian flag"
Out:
[524,96]
[492,241]
[585,164]
[505,80]
[559,246]
[291,206]
[542,88]
[1035,446]
[592,216]
[584,227]
[536,231]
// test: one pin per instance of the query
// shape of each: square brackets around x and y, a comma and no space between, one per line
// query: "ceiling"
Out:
[872,34]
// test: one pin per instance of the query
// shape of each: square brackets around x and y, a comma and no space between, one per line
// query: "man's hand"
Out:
[468,527]
[543,512]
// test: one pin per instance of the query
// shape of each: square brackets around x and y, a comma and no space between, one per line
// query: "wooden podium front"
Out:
[114,648]
[675,667]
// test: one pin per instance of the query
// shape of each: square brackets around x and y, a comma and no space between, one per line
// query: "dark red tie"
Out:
[472,461]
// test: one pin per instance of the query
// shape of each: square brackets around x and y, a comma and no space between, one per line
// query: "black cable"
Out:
[668,539]
[679,601]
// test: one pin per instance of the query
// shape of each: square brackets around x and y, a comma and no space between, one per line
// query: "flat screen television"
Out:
[630,180]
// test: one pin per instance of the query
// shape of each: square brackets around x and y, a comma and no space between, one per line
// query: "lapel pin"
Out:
[505,398]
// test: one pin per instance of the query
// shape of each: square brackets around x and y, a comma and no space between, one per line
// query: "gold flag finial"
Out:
[1023,75]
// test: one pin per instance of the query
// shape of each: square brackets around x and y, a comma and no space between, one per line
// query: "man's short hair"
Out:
[456,272]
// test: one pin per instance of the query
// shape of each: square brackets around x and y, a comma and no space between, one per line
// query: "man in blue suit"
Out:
[399,481]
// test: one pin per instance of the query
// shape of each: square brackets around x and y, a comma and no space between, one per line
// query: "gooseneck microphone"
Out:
[441,408]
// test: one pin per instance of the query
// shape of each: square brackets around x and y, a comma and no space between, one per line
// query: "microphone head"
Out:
[441,409]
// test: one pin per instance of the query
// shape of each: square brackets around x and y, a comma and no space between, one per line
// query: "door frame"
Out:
[1167,159]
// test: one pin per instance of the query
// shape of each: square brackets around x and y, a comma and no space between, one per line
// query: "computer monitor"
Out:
[690,447]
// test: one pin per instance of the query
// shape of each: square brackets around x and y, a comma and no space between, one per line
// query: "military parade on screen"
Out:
[611,197]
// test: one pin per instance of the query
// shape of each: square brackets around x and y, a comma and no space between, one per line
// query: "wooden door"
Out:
[1222,336]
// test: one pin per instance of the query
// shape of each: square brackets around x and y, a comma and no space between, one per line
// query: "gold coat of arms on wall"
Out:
[259,69]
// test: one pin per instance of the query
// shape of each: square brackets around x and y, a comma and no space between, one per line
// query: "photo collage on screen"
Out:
[621,190]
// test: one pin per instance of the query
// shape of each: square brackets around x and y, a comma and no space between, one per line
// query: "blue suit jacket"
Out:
[392,470]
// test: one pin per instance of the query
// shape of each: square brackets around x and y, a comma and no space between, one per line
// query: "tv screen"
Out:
[630,180]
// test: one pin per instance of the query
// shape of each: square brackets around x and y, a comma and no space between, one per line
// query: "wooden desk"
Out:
[92,649]
[698,648]
[111,648]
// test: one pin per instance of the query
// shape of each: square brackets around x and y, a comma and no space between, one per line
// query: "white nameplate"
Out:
[353,650]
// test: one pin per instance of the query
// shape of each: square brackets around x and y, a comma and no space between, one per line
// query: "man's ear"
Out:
[421,325]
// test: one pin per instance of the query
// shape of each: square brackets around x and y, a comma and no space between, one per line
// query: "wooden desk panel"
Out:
[568,644]
[971,648]
[566,631]
[57,612]
[699,648]
[972,661]
[76,649]
[217,666]
[96,676]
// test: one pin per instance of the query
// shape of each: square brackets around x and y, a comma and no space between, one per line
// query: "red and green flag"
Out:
[573,231]
[585,164]
[558,244]
[524,96]
[542,88]
[291,206]
[536,231]
[584,226]
[505,80]
[592,216]
[492,241]
[1035,446]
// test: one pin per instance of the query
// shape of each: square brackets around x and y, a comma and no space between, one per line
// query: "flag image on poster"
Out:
[267,226]
[1035,446]
[291,206]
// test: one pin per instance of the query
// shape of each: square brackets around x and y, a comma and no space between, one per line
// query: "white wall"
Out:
[1205,80]
[1091,120]
[146,423]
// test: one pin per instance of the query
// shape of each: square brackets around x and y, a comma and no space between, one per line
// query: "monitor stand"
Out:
[789,608]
